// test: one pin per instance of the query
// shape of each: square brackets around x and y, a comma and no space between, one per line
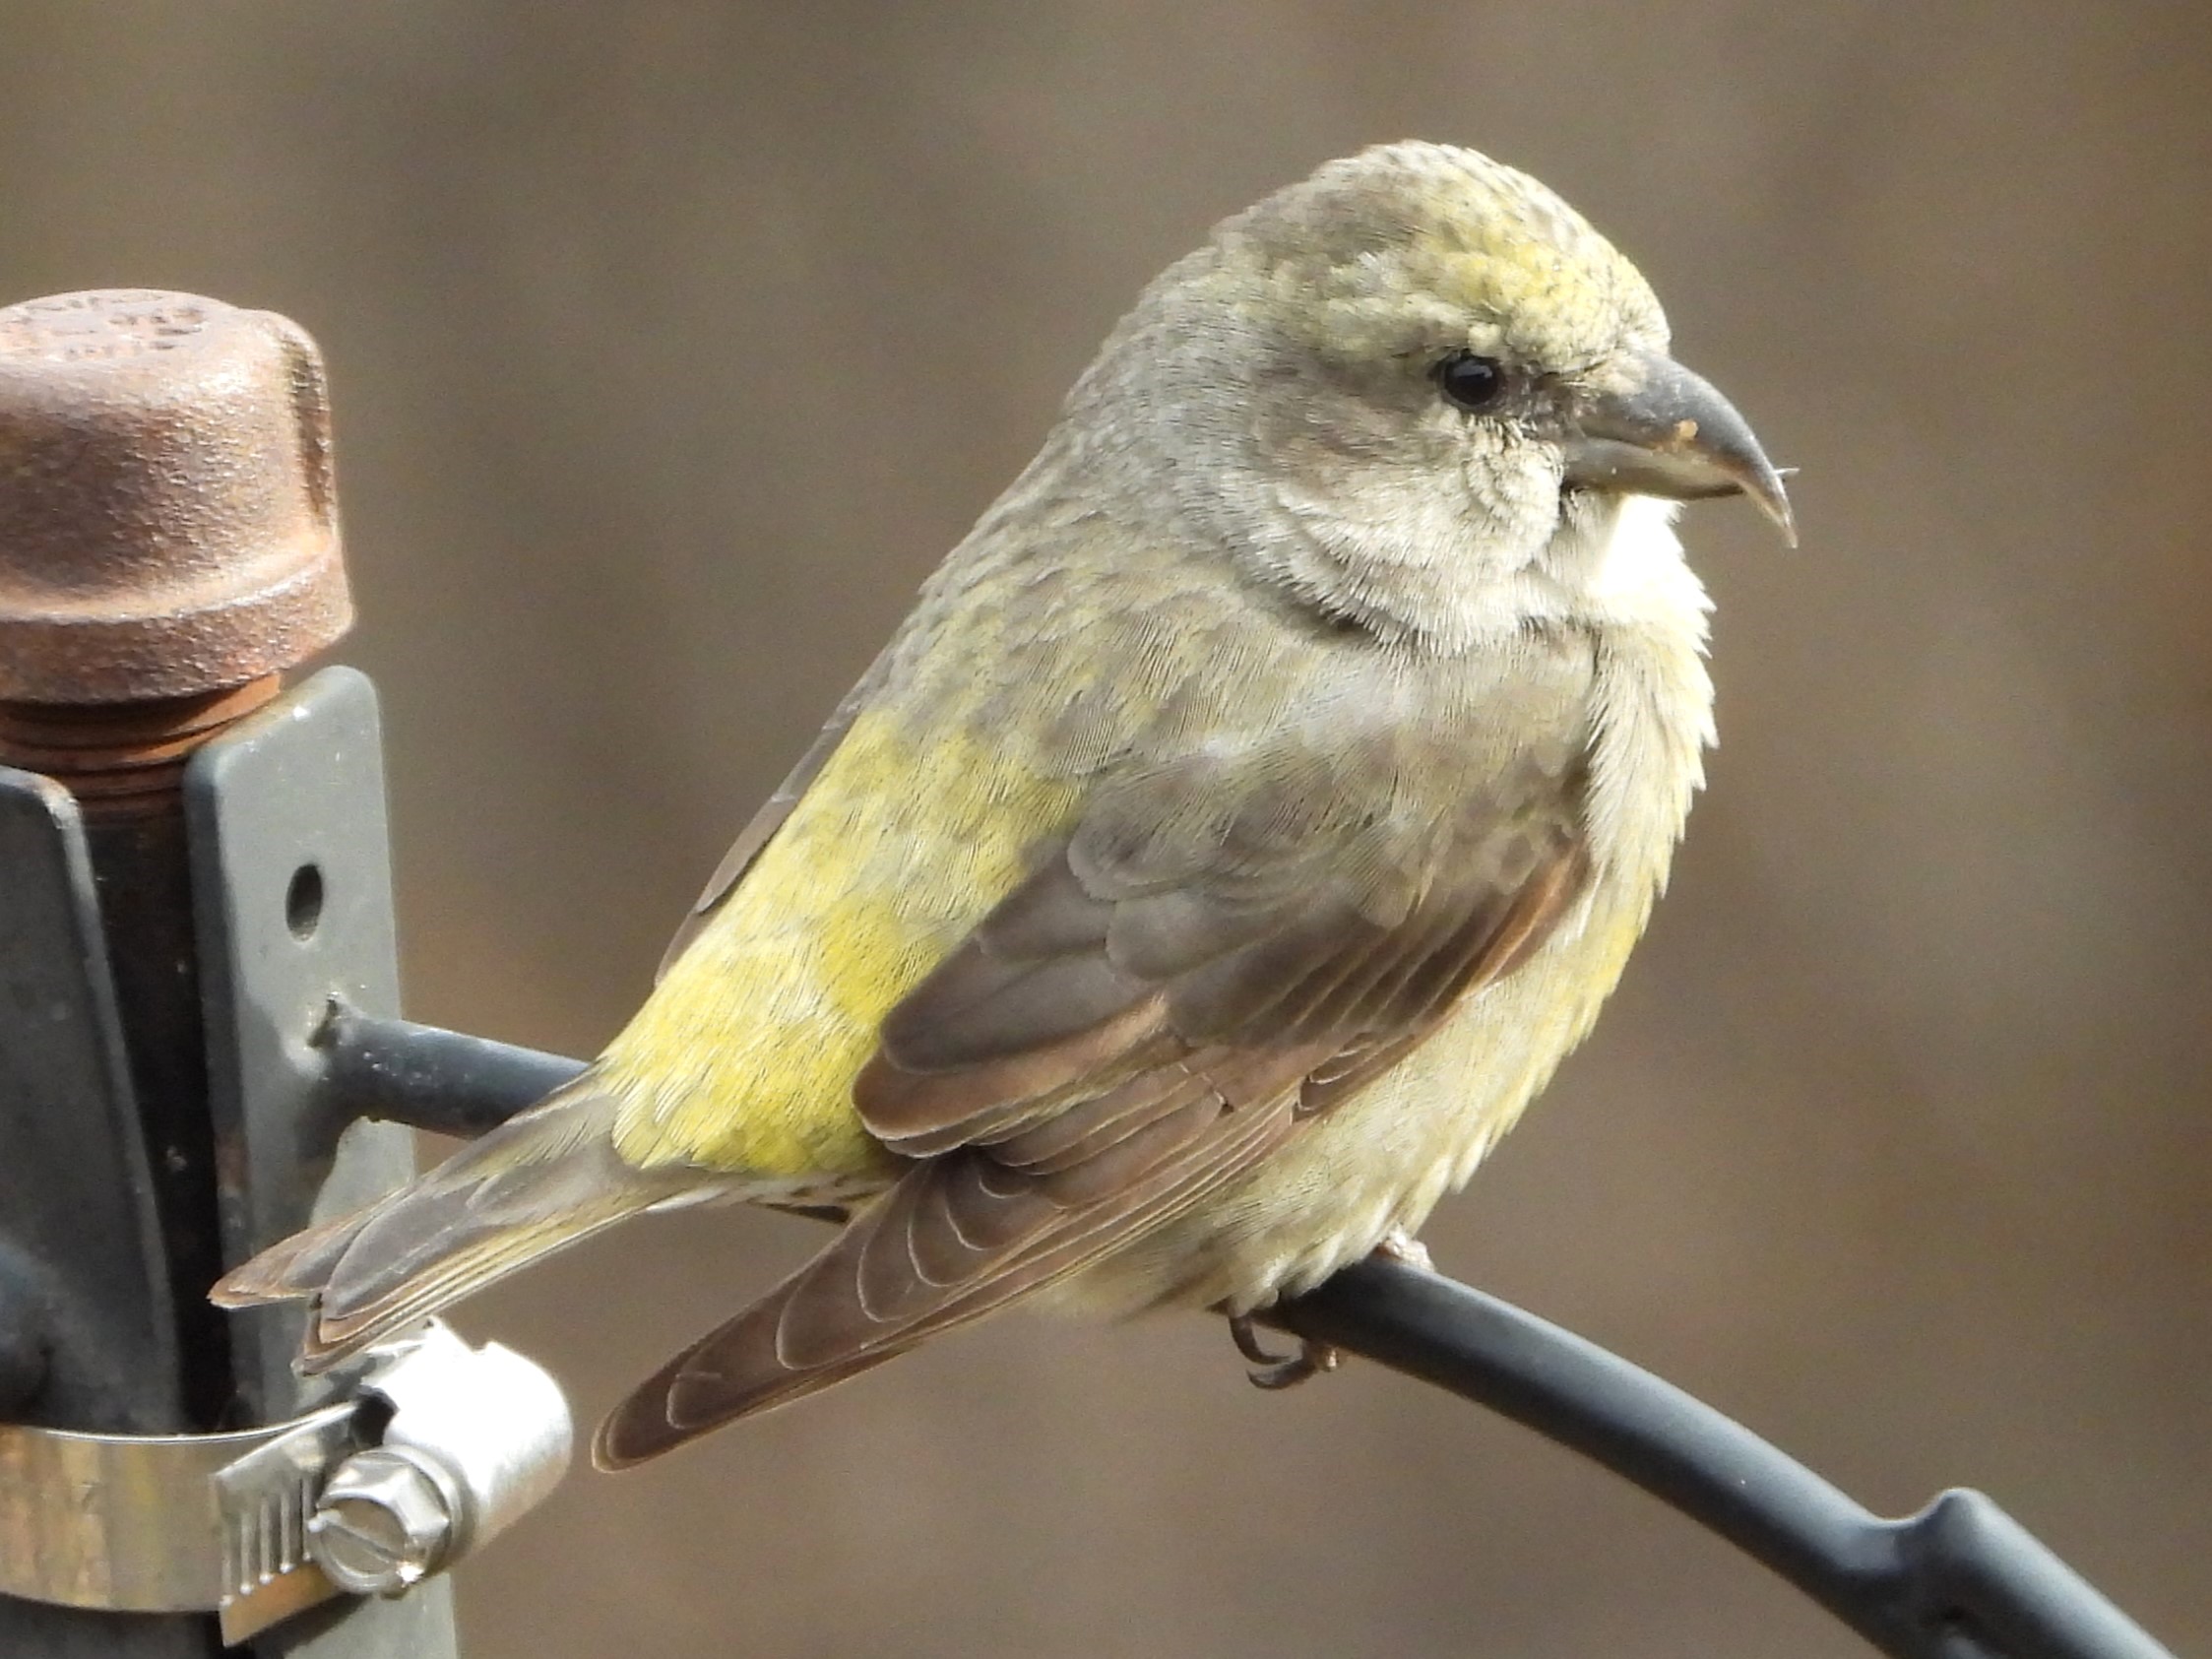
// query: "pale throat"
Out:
[1647,612]
[1612,563]
[1618,561]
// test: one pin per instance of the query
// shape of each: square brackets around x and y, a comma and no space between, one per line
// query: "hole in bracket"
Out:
[304,902]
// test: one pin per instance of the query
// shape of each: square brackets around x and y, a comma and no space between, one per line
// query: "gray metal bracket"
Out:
[1959,1580]
[292,886]
[291,892]
[284,819]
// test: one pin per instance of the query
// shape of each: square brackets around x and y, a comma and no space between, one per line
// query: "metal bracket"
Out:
[293,909]
[293,919]
[433,1450]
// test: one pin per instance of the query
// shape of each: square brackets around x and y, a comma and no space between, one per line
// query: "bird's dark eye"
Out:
[1470,381]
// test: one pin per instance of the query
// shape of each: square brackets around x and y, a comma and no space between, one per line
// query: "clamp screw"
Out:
[385,1522]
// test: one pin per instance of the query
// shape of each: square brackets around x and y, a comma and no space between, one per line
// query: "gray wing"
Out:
[1217,950]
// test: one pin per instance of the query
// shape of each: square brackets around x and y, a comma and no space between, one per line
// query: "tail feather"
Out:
[538,1183]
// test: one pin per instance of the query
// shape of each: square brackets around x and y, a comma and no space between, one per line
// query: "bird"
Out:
[1255,808]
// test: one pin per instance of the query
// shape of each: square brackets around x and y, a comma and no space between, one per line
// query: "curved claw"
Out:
[1272,1370]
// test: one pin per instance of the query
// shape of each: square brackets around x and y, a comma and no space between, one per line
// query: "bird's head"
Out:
[1412,385]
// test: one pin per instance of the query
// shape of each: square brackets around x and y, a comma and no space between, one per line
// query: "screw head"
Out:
[168,524]
[384,1523]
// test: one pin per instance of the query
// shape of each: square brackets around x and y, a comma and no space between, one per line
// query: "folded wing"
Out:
[1219,949]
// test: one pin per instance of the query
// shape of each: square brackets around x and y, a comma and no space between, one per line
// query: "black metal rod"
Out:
[1960,1580]
[1976,1555]
[398,1072]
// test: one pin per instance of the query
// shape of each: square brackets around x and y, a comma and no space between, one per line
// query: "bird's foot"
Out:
[1402,1246]
[1272,1370]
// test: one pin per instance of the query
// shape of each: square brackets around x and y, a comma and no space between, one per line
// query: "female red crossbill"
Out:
[1255,808]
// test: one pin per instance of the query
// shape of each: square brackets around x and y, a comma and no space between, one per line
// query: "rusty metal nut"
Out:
[168,521]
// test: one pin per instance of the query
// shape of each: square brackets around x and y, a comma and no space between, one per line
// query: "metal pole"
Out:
[168,547]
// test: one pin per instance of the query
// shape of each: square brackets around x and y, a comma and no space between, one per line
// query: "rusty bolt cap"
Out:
[168,521]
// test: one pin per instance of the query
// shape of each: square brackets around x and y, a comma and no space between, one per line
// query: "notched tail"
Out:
[538,1183]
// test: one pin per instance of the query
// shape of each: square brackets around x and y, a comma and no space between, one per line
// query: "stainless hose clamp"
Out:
[441,1448]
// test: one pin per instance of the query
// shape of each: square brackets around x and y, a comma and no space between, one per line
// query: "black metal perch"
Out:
[1962,1579]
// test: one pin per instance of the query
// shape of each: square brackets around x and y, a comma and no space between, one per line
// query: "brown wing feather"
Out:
[960,1237]
[1139,1022]
[1304,937]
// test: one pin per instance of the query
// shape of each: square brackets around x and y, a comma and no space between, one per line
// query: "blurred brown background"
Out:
[673,342]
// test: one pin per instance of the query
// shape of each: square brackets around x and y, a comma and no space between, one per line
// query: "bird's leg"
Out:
[1286,1371]
[1400,1246]
[1273,1370]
